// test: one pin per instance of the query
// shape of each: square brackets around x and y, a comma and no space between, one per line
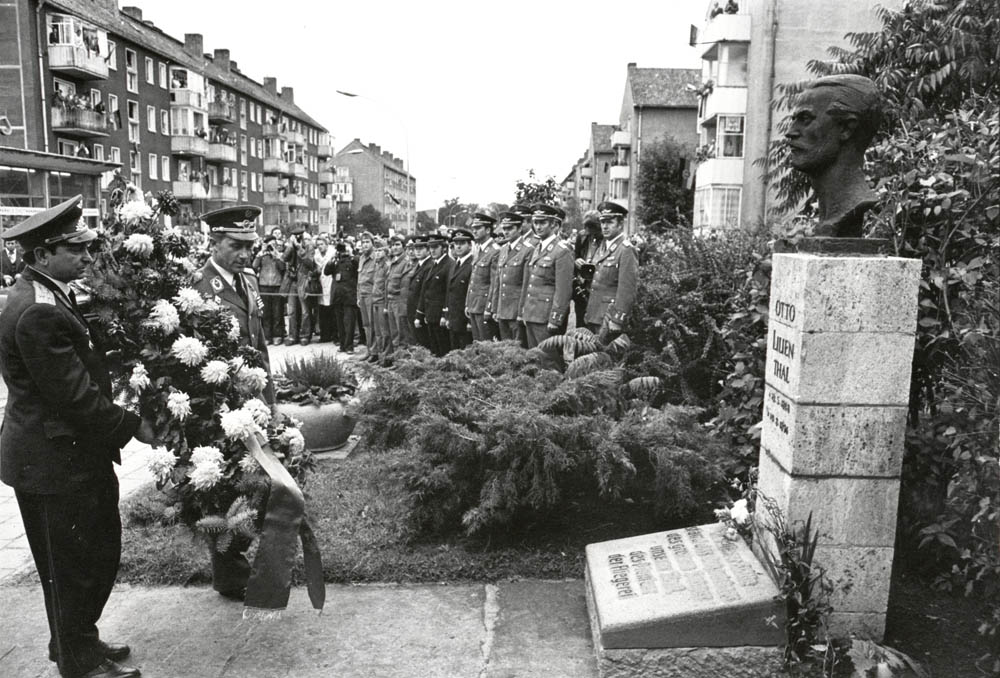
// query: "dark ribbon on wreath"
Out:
[285,524]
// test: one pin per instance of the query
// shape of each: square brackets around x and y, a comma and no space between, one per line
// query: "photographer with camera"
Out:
[270,269]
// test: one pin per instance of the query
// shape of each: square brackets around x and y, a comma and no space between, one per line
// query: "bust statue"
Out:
[834,121]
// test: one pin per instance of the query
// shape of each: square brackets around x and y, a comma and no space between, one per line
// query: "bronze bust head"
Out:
[834,121]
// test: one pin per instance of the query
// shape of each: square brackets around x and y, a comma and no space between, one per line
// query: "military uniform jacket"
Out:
[434,290]
[397,270]
[366,275]
[402,306]
[548,284]
[378,281]
[210,283]
[459,276]
[416,285]
[615,282]
[61,428]
[505,290]
[345,280]
[483,266]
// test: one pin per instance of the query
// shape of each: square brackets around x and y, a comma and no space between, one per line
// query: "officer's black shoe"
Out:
[113,651]
[110,669]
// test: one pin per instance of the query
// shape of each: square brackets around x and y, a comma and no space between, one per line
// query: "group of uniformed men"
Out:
[505,277]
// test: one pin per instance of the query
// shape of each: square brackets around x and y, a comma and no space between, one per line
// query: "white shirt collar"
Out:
[63,287]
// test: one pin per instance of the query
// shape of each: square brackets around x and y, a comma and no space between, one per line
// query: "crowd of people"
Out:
[511,276]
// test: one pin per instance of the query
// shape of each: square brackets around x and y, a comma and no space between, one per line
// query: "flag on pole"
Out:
[392,198]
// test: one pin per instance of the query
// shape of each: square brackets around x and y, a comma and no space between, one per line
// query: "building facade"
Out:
[746,53]
[380,179]
[109,87]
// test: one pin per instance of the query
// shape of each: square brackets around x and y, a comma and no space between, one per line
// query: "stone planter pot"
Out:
[325,427]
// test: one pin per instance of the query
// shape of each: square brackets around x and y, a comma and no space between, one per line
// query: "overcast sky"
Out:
[484,90]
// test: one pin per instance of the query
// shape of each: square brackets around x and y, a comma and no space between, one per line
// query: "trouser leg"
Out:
[491,330]
[507,330]
[294,316]
[536,333]
[476,326]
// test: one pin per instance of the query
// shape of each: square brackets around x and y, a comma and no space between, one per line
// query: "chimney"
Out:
[221,59]
[194,44]
[288,94]
[233,66]
[631,65]
[271,85]
[375,148]
[134,12]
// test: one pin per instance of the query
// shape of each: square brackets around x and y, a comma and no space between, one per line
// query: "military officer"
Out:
[423,261]
[613,290]
[62,432]
[459,276]
[227,278]
[483,266]
[396,289]
[432,297]
[366,282]
[382,344]
[548,278]
[505,290]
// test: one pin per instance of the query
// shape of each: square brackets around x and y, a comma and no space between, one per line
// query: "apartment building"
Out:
[95,88]
[380,179]
[746,51]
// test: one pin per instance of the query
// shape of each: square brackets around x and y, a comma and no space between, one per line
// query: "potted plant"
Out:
[317,390]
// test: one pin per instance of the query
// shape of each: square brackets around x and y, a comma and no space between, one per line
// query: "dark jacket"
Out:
[61,428]
[8,267]
[434,290]
[416,286]
[344,270]
[270,269]
[459,276]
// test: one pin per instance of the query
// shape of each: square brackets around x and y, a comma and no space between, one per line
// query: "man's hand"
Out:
[444,322]
[487,315]
[581,262]
[417,323]
[519,319]
[8,280]
[613,326]
[552,327]
[145,433]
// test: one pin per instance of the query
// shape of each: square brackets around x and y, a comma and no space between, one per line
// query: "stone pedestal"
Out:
[839,351]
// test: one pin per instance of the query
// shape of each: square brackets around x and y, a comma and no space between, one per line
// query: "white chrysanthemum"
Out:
[259,409]
[206,454]
[139,379]
[293,438]
[739,512]
[253,378]
[236,363]
[134,210]
[179,404]
[239,424]
[210,305]
[160,463]
[173,232]
[139,244]
[164,316]
[205,476]
[248,464]
[189,300]
[189,350]
[215,372]
[234,328]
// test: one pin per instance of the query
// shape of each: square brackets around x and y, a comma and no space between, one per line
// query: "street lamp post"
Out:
[406,142]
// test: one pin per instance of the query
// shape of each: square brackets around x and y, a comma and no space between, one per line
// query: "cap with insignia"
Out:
[510,219]
[611,210]
[59,225]
[541,210]
[482,219]
[397,238]
[418,241]
[461,235]
[522,210]
[236,222]
[436,239]
[297,229]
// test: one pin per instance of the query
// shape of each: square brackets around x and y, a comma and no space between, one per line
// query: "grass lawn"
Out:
[359,514]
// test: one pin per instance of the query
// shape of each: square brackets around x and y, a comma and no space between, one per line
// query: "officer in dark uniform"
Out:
[227,278]
[616,278]
[459,276]
[432,297]
[62,433]
[424,262]
[344,297]
[548,278]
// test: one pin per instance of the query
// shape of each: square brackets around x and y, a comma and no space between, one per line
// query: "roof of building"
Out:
[374,151]
[156,40]
[600,137]
[663,87]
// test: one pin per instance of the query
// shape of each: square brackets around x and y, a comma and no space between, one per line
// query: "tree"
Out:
[531,192]
[370,219]
[664,199]
[425,224]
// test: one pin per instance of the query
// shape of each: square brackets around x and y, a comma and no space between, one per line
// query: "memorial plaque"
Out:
[692,587]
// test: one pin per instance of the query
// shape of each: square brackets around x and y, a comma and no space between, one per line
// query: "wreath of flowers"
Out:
[181,365]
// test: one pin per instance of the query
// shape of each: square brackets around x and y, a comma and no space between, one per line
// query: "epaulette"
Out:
[43,295]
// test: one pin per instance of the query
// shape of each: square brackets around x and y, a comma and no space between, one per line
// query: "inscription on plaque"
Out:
[782,353]
[784,311]
[777,409]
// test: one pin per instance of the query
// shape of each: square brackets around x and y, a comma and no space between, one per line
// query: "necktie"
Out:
[240,287]
[72,300]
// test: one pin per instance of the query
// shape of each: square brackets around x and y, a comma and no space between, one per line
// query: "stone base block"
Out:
[682,662]
[867,625]
[860,577]
[822,440]
[850,510]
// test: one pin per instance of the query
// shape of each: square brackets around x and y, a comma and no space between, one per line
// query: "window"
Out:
[133,121]
[243,179]
[116,155]
[131,71]
[67,89]
[153,165]
[66,147]
[253,146]
[98,152]
[135,162]
[243,113]
[260,148]
[163,75]
[112,55]
[151,119]
[164,122]
[730,136]
[95,97]
[165,167]
[243,149]
[150,73]
[116,119]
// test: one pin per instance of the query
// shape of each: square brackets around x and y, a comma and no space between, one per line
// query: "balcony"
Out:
[296,200]
[77,62]
[223,193]
[277,166]
[325,177]
[324,150]
[587,172]
[621,138]
[713,171]
[586,194]
[299,171]
[327,203]
[221,153]
[188,145]
[188,190]
[78,122]
[297,138]
[221,111]
[279,198]
[271,131]
[187,97]
[724,28]
[725,101]
[619,172]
